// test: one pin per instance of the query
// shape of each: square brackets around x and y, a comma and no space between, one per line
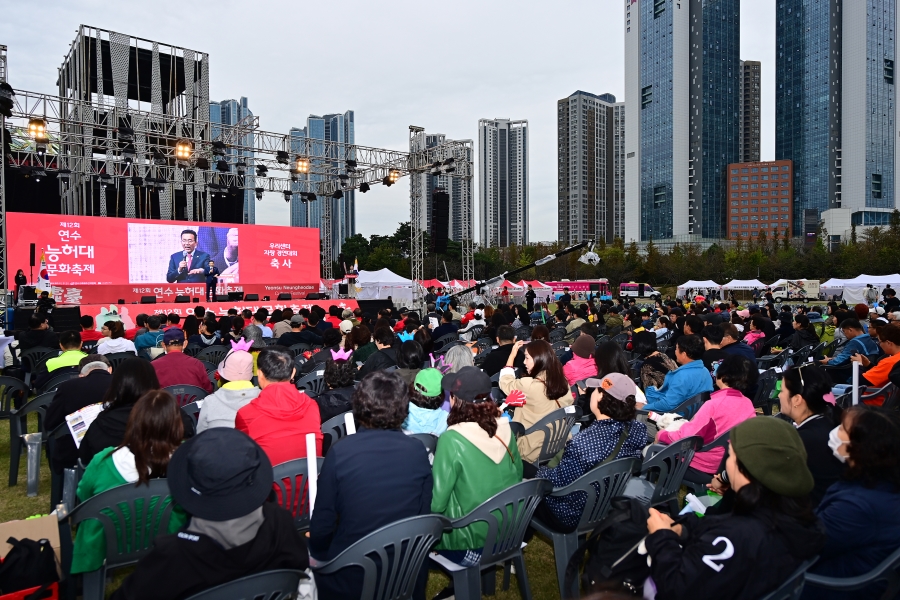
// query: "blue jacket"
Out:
[861,344]
[684,382]
[863,528]
[424,420]
[199,260]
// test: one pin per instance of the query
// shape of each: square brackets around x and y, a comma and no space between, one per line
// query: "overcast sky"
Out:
[439,65]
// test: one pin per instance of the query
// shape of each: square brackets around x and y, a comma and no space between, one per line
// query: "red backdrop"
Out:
[98,260]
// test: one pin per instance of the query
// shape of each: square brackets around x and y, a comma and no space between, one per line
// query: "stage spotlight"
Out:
[202,164]
[222,165]
[282,157]
[394,175]
[302,165]
[387,182]
[105,179]
[436,168]
[351,165]
[449,166]
[36,173]
[159,158]
[37,129]
[125,134]
[183,150]
[345,181]
[241,168]
[64,174]
[6,99]
[259,193]
[337,194]
[364,187]
[218,148]
[310,196]
[262,171]
[128,153]
[287,195]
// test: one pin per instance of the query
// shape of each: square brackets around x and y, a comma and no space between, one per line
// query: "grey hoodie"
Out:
[220,407]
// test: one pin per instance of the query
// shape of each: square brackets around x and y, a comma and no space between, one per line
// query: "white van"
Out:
[640,291]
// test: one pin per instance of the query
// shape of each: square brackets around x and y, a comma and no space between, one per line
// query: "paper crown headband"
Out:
[341,354]
[242,344]
[405,337]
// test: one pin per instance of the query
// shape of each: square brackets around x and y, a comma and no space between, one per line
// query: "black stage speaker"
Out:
[252,298]
[343,289]
[121,301]
[182,299]
[440,221]
[235,296]
[313,296]
[372,307]
[32,255]
[284,296]
[222,298]
[148,299]
[29,292]
[64,318]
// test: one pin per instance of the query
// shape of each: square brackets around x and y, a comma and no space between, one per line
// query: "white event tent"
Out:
[378,285]
[744,284]
[696,286]
[854,289]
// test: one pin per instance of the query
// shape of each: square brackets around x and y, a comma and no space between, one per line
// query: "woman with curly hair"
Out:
[860,511]
[476,458]
[338,397]
[545,388]
[369,480]
[359,341]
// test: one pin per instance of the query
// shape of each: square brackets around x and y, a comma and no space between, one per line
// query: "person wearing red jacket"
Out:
[469,315]
[176,367]
[280,417]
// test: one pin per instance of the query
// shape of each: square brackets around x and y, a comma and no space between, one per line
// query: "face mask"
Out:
[834,442]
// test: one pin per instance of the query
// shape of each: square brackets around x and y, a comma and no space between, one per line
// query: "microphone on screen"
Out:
[185,254]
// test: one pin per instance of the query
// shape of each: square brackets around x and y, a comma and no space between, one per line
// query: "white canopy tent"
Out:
[854,289]
[744,284]
[378,285]
[696,286]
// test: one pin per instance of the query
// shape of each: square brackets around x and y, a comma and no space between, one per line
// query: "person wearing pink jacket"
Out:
[582,364]
[727,407]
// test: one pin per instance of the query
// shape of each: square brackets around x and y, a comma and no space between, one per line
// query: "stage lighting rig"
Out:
[6,99]
[241,168]
[435,168]
[287,195]
[345,181]
[259,193]
[125,134]
[262,171]
[105,179]
[128,153]
[183,151]
[222,165]
[38,173]
[37,129]
[159,158]
[351,165]
[310,196]
[392,177]
[64,174]
[282,157]
[218,148]
[202,163]
[302,164]
[448,166]
[337,195]
[364,187]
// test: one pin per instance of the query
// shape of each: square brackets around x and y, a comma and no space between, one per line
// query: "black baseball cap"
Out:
[220,474]
[469,383]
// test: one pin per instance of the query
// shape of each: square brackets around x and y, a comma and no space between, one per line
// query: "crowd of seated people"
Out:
[812,481]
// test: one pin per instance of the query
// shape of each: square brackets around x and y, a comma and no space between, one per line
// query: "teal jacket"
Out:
[684,382]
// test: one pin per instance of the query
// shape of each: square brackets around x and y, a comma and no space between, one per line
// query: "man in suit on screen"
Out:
[190,265]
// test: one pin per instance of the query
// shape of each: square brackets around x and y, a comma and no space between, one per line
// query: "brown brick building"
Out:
[760,198]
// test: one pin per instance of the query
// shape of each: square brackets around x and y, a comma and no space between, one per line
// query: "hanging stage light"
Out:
[302,165]
[6,99]
[287,195]
[38,173]
[37,129]
[128,153]
[64,174]
[262,171]
[394,175]
[351,165]
[202,164]
[436,168]
[364,187]
[337,194]
[345,181]
[105,179]
[159,158]
[449,166]
[218,148]
[282,157]
[310,196]
[125,134]
[222,165]
[183,150]
[241,168]
[259,193]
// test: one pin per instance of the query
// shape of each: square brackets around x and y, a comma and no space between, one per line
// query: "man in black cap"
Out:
[222,478]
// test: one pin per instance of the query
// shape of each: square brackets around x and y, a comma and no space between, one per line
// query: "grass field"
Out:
[15,504]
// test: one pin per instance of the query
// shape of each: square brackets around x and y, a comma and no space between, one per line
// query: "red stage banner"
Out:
[127,312]
[99,259]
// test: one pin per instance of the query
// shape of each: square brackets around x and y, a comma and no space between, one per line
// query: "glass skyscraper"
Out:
[682,83]
[231,112]
[336,128]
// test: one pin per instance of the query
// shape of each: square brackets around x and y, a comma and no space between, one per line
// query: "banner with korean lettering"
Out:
[120,255]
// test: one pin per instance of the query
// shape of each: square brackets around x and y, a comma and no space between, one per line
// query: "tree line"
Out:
[874,251]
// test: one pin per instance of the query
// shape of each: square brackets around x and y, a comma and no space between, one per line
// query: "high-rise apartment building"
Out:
[459,189]
[334,128]
[590,168]
[503,182]
[232,112]
[751,92]
[682,83]
[836,112]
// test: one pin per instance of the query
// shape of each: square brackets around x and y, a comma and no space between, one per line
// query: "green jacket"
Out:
[89,551]
[613,320]
[466,474]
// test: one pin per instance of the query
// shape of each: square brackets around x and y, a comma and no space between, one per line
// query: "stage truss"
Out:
[102,146]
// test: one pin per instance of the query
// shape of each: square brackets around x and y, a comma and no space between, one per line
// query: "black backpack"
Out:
[28,564]
[612,559]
